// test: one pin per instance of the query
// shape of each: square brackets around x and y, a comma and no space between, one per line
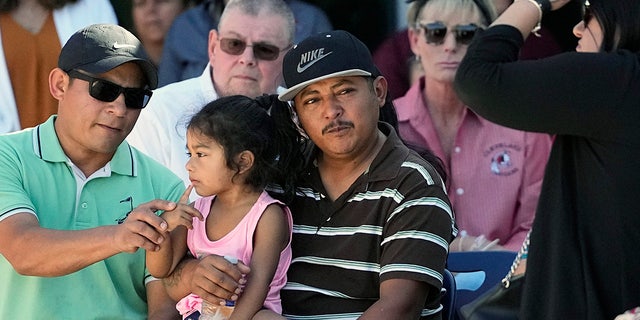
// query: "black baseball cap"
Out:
[99,48]
[325,55]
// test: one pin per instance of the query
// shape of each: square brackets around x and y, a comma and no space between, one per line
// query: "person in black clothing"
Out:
[583,261]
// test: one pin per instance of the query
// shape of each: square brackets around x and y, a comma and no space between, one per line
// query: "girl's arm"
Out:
[270,238]
[160,306]
[161,263]
[164,260]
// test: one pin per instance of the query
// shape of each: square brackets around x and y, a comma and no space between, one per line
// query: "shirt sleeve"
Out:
[13,197]
[417,232]
[563,94]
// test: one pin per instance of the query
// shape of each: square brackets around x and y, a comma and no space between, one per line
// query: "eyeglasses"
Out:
[587,14]
[435,32]
[103,90]
[261,51]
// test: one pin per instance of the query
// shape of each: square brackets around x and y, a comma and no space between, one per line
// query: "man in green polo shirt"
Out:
[77,203]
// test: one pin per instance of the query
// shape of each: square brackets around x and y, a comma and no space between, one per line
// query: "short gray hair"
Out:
[255,7]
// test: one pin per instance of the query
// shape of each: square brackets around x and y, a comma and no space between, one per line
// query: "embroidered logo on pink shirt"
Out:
[501,158]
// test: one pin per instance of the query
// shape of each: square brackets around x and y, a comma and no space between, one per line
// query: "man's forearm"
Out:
[212,278]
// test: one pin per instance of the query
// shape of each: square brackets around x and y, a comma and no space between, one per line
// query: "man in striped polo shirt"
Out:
[372,221]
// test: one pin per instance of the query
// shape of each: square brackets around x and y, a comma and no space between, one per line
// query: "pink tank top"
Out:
[237,243]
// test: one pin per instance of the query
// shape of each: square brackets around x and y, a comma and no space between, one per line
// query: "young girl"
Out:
[236,149]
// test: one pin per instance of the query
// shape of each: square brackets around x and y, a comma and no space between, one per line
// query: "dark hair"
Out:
[388,112]
[263,126]
[9,5]
[620,22]
[559,23]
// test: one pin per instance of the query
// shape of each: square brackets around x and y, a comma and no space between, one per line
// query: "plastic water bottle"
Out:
[215,312]
[211,311]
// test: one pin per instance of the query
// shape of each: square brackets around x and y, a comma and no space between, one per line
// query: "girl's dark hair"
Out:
[263,126]
[620,21]
[8,5]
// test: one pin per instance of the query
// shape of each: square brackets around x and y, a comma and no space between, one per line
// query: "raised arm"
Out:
[562,94]
[525,14]
[163,261]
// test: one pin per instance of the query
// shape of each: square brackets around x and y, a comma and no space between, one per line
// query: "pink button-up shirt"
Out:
[494,174]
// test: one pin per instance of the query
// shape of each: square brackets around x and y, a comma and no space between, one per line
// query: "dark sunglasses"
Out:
[261,51]
[587,14]
[435,32]
[107,91]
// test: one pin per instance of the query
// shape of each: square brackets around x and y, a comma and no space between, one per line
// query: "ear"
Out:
[381,88]
[213,41]
[414,37]
[245,161]
[58,83]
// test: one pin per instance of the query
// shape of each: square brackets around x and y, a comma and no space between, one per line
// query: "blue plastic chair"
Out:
[448,299]
[475,272]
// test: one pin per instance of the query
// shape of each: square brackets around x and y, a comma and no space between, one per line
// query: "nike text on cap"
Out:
[325,55]
[99,48]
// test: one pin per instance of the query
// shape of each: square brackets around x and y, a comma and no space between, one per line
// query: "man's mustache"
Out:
[336,124]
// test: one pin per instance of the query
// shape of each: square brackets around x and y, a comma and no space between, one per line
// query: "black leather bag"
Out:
[502,302]
[499,303]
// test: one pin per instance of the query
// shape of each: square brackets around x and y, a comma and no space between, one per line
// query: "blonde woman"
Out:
[495,172]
